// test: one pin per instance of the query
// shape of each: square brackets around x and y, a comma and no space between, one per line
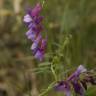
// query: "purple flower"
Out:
[34,22]
[41,50]
[39,55]
[36,42]
[36,10]
[74,81]
[63,86]
[31,35]
[76,74]
[74,78]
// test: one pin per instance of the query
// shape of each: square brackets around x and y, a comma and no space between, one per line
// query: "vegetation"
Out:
[71,29]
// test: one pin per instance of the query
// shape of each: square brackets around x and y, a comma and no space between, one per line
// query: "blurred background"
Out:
[71,29]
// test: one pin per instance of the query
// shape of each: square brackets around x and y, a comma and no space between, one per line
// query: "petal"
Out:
[63,89]
[35,50]
[60,86]
[81,69]
[31,35]
[38,19]
[27,18]
[39,55]
[36,42]
[36,10]
[63,86]
[76,74]
[32,25]
[29,32]
[34,46]
[78,88]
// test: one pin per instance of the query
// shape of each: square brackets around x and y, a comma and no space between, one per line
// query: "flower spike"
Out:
[34,22]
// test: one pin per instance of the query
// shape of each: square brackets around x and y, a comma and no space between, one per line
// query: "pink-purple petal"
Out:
[39,55]
[36,10]
[27,18]
[34,46]
[81,69]
[29,32]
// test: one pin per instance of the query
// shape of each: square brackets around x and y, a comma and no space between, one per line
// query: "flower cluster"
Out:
[34,22]
[74,81]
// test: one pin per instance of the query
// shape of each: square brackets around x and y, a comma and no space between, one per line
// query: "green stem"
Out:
[53,72]
[49,88]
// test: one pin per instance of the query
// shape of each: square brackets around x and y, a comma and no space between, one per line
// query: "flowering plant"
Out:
[79,80]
